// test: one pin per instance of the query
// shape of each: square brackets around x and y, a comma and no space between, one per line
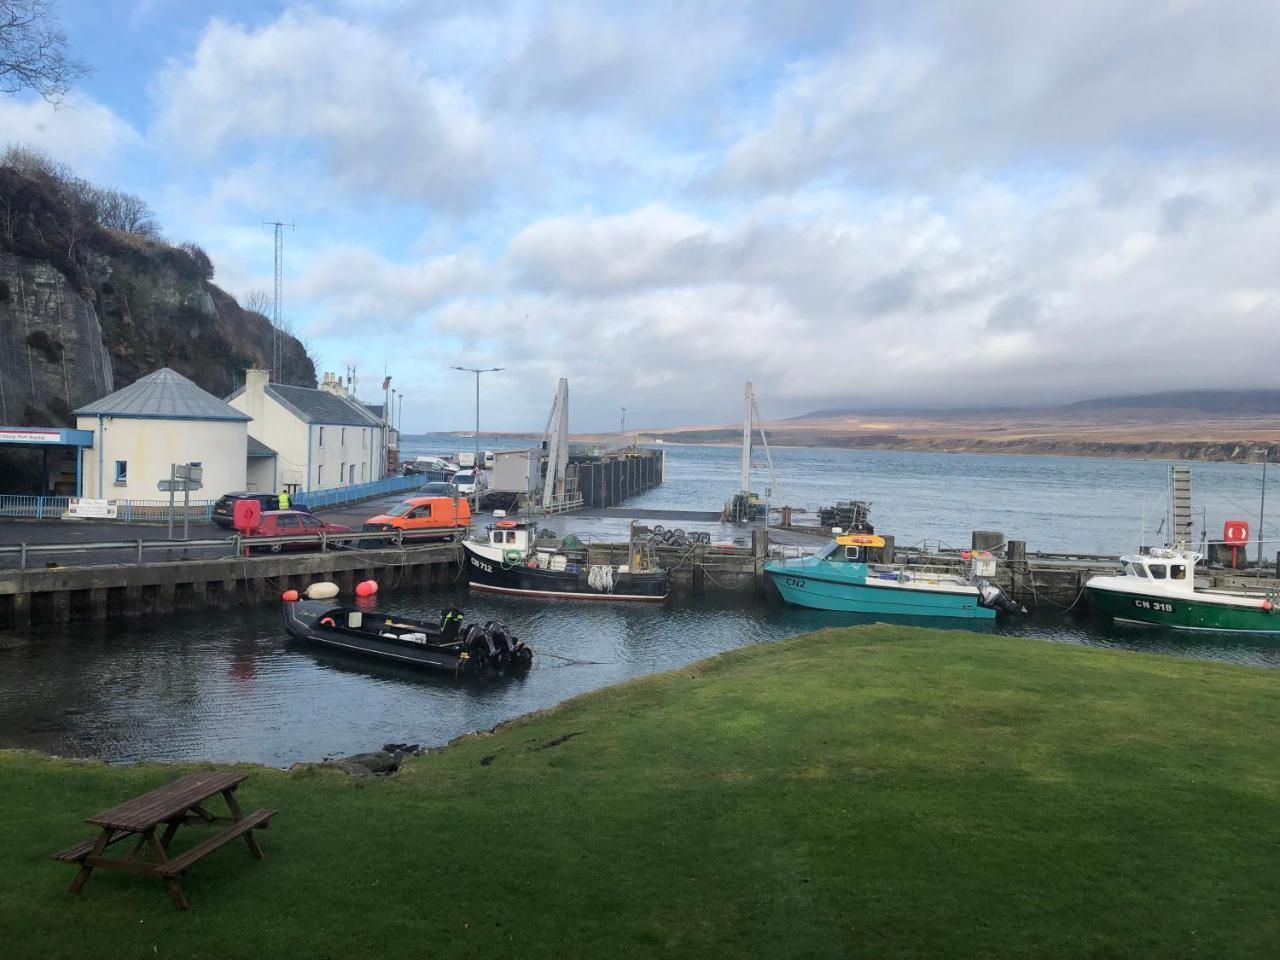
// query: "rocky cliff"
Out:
[86,309]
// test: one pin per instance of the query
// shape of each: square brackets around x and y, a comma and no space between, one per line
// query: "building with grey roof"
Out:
[322,437]
[158,420]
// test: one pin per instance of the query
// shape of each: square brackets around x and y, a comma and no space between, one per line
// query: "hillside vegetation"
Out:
[92,297]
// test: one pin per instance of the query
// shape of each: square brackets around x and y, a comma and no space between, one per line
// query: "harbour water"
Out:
[226,685]
[1054,503]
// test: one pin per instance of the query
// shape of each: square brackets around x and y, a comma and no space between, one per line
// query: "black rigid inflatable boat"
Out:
[475,649]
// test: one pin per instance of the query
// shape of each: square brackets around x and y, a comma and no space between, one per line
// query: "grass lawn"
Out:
[882,792]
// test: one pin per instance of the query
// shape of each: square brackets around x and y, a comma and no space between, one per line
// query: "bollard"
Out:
[1015,552]
[22,556]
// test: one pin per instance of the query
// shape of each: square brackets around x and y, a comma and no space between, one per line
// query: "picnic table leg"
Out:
[170,829]
[83,876]
[234,806]
[157,850]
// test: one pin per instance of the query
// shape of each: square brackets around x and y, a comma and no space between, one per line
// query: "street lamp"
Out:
[1262,504]
[477,371]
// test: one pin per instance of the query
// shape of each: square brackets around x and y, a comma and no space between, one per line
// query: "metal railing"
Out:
[334,496]
[26,507]
[33,508]
[236,546]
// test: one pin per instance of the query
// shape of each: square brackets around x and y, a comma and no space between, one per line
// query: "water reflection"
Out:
[226,685]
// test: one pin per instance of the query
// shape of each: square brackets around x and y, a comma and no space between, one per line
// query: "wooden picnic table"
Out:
[175,804]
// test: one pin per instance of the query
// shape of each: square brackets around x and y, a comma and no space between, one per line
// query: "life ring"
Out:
[327,622]
[513,555]
[506,524]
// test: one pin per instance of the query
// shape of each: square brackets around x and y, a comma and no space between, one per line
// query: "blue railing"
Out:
[52,508]
[34,508]
[319,499]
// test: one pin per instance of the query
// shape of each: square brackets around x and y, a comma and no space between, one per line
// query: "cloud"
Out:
[306,81]
[84,134]
[926,90]
[354,289]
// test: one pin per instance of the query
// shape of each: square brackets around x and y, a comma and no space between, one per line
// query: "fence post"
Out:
[39,508]
[22,556]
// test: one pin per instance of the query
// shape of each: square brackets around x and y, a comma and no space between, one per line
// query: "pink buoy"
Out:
[366,588]
[289,596]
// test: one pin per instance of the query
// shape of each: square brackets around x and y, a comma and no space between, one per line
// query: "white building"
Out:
[322,437]
[159,420]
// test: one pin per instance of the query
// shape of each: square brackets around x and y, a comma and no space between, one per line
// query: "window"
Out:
[421,513]
[289,520]
[1158,571]
[342,471]
[1177,571]
[320,476]
[852,553]
[312,522]
[321,443]
[364,439]
[122,471]
[1138,570]
[362,466]
[342,437]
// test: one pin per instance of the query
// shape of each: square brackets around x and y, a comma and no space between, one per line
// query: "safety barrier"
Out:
[318,499]
[52,508]
[33,508]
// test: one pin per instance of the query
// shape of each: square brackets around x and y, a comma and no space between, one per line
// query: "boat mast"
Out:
[746,440]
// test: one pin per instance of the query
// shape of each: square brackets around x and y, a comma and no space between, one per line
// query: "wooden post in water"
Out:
[887,553]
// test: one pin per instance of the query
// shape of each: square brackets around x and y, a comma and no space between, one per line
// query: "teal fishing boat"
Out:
[846,576]
[1159,589]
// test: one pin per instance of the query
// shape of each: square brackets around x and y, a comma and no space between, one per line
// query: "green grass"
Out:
[879,792]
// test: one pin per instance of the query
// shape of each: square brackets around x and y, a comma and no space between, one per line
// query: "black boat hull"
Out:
[519,580]
[469,651]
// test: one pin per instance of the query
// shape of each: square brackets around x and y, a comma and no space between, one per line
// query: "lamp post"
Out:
[477,371]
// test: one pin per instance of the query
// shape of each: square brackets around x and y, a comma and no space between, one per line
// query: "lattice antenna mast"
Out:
[277,300]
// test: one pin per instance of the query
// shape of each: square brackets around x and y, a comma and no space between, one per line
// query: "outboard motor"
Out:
[992,597]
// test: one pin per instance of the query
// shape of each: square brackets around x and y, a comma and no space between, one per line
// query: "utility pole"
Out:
[477,371]
[275,311]
[623,428]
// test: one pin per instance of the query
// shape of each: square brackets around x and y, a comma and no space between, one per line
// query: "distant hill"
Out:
[1241,403]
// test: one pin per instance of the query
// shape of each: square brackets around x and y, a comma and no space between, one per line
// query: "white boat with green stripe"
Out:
[1159,589]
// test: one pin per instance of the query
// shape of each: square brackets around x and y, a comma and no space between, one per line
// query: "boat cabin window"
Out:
[1136,569]
[1177,571]
[853,553]
[1158,571]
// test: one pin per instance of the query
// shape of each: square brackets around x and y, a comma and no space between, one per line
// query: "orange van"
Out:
[426,518]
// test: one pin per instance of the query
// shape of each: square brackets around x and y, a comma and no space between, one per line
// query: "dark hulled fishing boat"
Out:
[509,560]
[447,645]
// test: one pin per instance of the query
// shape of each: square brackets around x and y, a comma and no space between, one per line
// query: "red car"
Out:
[286,523]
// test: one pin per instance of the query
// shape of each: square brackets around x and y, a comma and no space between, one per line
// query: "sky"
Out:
[853,204]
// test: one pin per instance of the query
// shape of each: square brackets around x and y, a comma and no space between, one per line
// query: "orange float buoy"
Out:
[366,588]
[327,622]
[1266,605]
[289,596]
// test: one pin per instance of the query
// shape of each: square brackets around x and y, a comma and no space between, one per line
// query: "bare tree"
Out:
[123,211]
[33,50]
[257,301]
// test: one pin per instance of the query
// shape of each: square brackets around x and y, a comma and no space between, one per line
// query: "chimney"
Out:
[255,381]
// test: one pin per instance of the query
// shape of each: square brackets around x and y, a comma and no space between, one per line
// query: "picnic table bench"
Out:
[173,805]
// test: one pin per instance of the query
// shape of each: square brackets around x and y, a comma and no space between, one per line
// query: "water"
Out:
[226,685]
[1056,504]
